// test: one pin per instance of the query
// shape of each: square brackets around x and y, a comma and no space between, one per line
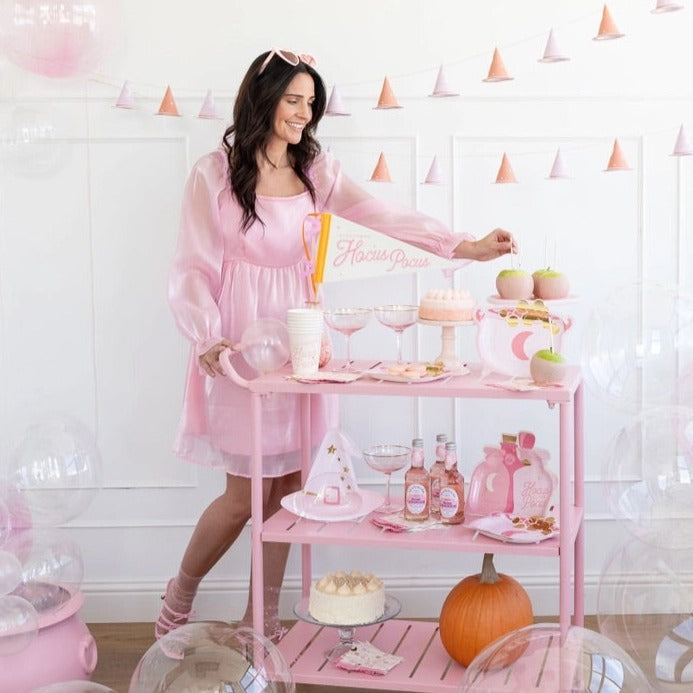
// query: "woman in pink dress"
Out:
[239,258]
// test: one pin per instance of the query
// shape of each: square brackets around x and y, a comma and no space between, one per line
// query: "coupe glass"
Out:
[387,459]
[347,321]
[397,318]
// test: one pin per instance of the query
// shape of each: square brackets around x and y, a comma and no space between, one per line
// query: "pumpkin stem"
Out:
[488,572]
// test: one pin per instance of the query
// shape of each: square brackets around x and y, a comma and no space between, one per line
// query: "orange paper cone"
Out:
[505,172]
[551,52]
[387,96]
[434,175]
[497,71]
[666,6]
[126,98]
[607,28]
[168,104]
[442,88]
[558,168]
[617,161]
[335,107]
[682,146]
[381,173]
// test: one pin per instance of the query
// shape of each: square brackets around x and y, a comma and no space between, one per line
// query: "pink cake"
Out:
[447,305]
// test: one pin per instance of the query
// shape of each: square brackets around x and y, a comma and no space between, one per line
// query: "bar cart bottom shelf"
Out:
[426,666]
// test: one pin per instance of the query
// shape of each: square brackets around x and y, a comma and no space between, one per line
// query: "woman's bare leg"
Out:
[215,532]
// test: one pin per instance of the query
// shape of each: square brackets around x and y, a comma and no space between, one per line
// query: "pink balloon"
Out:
[55,39]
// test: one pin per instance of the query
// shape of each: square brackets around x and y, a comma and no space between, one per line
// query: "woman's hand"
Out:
[209,361]
[498,242]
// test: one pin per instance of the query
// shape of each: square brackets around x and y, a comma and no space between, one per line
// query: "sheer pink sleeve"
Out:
[195,275]
[340,195]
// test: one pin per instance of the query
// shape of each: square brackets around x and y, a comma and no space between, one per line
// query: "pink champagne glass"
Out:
[397,318]
[347,321]
[387,459]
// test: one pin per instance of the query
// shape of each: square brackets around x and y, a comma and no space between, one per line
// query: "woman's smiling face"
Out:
[294,110]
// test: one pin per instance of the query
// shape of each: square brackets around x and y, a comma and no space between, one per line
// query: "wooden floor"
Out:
[121,645]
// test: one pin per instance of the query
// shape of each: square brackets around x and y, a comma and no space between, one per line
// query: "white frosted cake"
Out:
[347,598]
[447,305]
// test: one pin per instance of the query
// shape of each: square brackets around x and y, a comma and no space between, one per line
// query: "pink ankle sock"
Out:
[181,592]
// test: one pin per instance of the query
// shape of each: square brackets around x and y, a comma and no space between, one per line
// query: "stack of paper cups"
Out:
[305,327]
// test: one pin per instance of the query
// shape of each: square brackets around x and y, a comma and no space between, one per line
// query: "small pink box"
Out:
[331,495]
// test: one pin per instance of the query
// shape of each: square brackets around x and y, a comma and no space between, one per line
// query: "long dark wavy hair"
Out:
[251,129]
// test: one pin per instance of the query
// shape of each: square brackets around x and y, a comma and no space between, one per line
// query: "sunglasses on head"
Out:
[288,57]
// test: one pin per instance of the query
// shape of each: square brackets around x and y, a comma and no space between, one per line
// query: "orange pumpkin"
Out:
[480,609]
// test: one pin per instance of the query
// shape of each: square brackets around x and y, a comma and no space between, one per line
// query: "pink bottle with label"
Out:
[452,489]
[437,473]
[417,485]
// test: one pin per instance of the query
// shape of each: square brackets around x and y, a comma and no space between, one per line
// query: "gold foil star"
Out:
[331,449]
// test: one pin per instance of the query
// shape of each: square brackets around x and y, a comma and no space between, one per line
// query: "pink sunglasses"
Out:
[288,57]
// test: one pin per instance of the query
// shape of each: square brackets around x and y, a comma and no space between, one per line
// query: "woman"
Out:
[239,258]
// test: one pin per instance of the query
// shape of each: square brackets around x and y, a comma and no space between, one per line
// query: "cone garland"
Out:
[442,88]
[381,173]
[558,169]
[551,53]
[617,161]
[335,107]
[387,97]
[497,71]
[666,6]
[126,98]
[435,174]
[682,147]
[607,28]
[168,104]
[209,108]
[505,172]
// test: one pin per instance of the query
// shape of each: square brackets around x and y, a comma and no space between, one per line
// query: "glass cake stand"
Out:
[346,632]
[448,357]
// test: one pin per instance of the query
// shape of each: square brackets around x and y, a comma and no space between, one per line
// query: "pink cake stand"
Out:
[448,357]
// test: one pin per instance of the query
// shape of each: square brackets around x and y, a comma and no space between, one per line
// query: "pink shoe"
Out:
[168,618]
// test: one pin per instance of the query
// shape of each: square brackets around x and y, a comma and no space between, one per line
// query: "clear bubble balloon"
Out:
[265,345]
[57,469]
[14,512]
[212,656]
[52,567]
[74,687]
[10,572]
[638,347]
[56,39]
[33,140]
[647,476]
[541,660]
[646,589]
[19,624]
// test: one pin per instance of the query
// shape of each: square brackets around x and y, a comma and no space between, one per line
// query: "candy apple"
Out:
[514,284]
[550,284]
[547,366]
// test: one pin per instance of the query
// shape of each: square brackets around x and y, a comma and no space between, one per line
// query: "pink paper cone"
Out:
[434,175]
[607,28]
[497,71]
[617,161]
[209,108]
[168,104]
[551,53]
[126,98]
[666,6]
[558,168]
[381,173]
[683,146]
[387,96]
[335,107]
[505,172]
[442,88]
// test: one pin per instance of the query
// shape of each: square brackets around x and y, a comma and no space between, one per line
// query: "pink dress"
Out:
[222,280]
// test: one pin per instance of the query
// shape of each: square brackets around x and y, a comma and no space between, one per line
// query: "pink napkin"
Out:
[368,659]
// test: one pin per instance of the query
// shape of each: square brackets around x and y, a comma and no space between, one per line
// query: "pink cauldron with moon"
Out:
[508,337]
